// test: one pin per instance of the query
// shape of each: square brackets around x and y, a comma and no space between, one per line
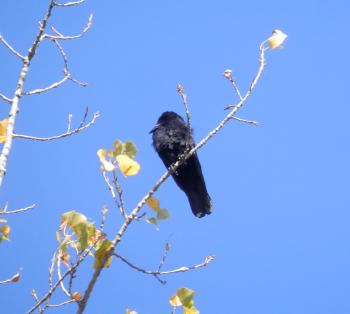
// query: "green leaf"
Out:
[80,225]
[130,149]
[117,148]
[162,214]
[186,296]
[101,254]
[152,221]
[73,218]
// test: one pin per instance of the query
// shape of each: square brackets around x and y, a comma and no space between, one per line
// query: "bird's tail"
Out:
[200,205]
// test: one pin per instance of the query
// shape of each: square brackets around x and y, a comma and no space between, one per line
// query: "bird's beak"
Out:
[155,128]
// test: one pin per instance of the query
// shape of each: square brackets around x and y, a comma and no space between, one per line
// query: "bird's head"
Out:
[169,119]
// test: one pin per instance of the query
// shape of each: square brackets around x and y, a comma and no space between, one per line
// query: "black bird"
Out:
[169,140]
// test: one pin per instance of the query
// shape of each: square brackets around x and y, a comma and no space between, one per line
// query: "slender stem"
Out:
[172,169]
[18,93]
[6,212]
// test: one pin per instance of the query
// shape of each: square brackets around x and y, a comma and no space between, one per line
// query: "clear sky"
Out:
[280,227]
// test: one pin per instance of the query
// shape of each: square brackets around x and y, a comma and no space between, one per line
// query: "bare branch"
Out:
[48,88]
[69,4]
[181,90]
[61,304]
[48,295]
[256,123]
[3,97]
[13,50]
[6,212]
[165,255]
[63,135]
[227,74]
[35,296]
[66,75]
[14,278]
[5,152]
[59,36]
[59,274]
[104,212]
[134,214]
[118,201]
[156,273]
[120,195]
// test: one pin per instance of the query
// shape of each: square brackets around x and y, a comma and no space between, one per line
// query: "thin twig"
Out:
[228,75]
[69,4]
[6,212]
[120,195]
[165,255]
[59,36]
[3,97]
[48,88]
[35,296]
[134,214]
[14,278]
[61,304]
[104,212]
[63,135]
[48,295]
[51,269]
[181,90]
[119,201]
[256,123]
[59,274]
[13,50]
[18,93]
[156,273]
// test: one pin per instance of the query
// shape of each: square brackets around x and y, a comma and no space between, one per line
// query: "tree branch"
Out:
[157,273]
[81,127]
[13,50]
[3,97]
[59,36]
[14,278]
[18,93]
[181,90]
[69,4]
[171,170]
[48,295]
[66,74]
[246,121]
[6,212]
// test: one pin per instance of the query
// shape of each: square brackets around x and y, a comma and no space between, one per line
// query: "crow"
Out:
[170,136]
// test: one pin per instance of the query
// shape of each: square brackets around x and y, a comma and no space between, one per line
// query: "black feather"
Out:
[169,140]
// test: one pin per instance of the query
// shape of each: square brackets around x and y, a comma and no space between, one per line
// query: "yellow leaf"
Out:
[65,257]
[276,39]
[5,230]
[175,300]
[107,165]
[3,130]
[153,203]
[101,254]
[128,166]
[190,310]
[128,311]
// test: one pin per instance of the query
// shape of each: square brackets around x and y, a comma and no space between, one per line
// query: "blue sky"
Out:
[279,229]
